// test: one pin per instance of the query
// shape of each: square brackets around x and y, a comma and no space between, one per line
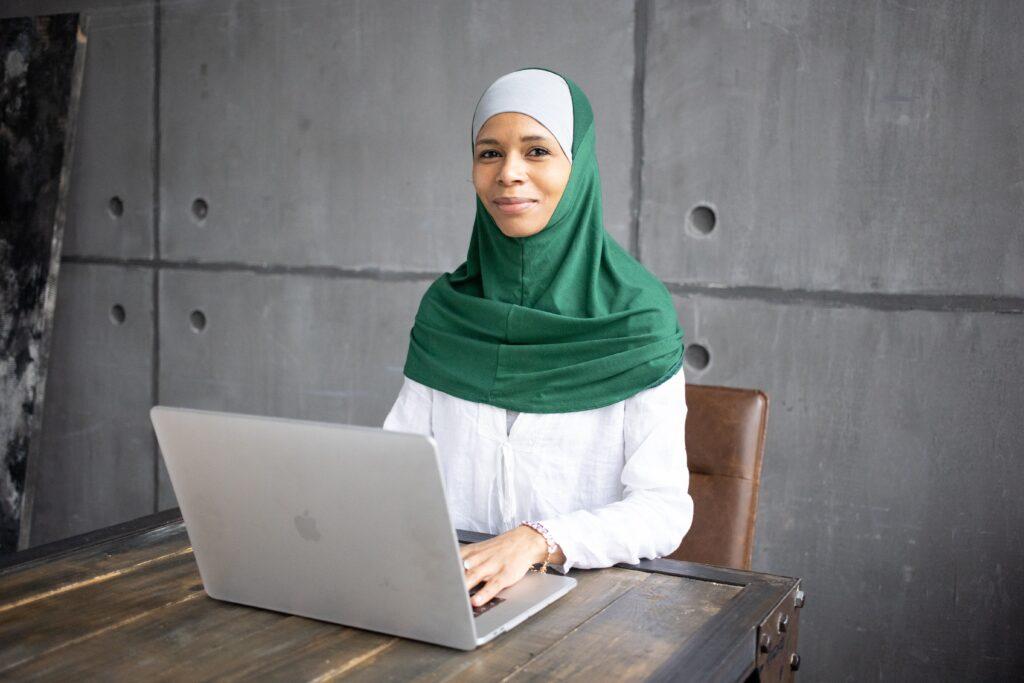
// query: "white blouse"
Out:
[610,483]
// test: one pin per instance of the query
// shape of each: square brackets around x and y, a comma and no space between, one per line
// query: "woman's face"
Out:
[519,172]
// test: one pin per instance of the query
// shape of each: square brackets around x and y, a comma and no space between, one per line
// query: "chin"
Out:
[519,232]
[517,229]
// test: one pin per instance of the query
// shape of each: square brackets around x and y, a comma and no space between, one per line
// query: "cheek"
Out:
[553,188]
[556,177]
[481,178]
[478,190]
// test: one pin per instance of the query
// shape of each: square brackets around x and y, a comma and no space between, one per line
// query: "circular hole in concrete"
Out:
[697,356]
[200,208]
[117,314]
[703,219]
[115,206]
[198,320]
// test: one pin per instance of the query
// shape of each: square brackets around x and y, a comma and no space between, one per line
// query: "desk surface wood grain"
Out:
[132,605]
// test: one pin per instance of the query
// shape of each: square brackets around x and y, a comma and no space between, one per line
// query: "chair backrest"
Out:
[725,429]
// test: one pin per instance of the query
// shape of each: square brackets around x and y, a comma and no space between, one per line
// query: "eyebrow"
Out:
[525,138]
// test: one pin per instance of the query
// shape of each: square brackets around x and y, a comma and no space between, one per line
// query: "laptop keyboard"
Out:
[478,610]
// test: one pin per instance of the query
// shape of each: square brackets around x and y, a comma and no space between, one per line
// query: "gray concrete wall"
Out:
[863,162]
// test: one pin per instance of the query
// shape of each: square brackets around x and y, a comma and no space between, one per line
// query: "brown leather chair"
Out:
[725,430]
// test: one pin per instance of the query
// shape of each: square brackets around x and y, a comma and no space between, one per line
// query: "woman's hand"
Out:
[502,560]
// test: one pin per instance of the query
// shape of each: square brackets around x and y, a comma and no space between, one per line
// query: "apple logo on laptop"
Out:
[307,526]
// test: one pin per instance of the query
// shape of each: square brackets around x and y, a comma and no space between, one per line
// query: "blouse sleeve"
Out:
[412,409]
[656,509]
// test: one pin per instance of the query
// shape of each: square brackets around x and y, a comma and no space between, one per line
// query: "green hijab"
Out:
[558,321]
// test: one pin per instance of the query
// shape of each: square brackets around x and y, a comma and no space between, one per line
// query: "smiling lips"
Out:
[514,205]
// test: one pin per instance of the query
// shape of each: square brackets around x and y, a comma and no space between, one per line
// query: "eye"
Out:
[483,154]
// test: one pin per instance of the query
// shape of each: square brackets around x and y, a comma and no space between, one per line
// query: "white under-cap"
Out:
[540,94]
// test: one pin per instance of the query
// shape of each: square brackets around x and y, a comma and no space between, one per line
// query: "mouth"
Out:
[514,205]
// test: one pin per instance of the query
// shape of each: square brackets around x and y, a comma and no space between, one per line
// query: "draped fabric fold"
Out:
[558,321]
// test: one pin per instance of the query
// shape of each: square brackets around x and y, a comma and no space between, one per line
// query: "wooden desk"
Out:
[127,602]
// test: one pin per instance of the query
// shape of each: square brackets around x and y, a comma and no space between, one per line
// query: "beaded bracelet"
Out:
[552,546]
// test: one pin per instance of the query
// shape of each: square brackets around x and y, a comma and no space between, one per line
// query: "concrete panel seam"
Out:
[155,361]
[951,303]
[326,272]
[641,17]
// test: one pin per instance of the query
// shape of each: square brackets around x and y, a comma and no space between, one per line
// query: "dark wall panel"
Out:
[41,64]
[890,480]
[97,463]
[865,267]
[338,133]
[291,346]
[111,211]
[109,219]
[858,146]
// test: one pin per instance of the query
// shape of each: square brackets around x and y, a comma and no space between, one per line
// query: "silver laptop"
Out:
[336,522]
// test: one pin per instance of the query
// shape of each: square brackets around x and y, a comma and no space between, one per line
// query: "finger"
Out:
[473,560]
[490,589]
[477,563]
[469,550]
[472,554]
[482,572]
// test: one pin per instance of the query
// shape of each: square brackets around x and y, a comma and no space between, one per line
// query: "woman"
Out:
[548,366]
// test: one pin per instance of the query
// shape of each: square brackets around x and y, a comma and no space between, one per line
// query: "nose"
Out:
[512,170]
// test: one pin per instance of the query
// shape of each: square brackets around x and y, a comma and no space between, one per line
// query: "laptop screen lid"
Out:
[336,522]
